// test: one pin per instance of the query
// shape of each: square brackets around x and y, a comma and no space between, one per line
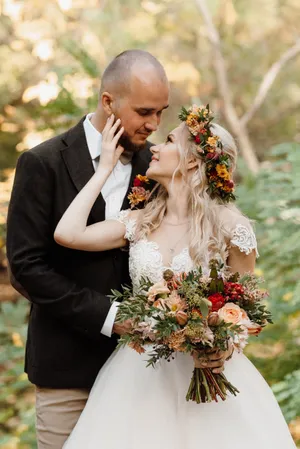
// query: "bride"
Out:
[188,222]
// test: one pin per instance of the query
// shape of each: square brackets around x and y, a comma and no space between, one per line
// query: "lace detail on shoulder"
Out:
[130,224]
[244,238]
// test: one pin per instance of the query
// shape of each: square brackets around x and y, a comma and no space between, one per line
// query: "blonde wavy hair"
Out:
[209,234]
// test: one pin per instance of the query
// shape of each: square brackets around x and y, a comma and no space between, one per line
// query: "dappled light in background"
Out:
[44,91]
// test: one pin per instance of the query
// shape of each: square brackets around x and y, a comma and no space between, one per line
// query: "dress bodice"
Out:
[145,258]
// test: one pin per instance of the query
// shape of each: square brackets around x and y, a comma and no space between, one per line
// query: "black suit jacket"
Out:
[67,288]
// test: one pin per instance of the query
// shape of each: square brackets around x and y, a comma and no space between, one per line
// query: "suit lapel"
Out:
[79,164]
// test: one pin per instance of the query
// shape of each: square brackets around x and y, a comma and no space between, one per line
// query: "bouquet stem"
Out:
[205,386]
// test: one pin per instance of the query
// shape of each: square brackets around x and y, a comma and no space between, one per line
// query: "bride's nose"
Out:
[154,149]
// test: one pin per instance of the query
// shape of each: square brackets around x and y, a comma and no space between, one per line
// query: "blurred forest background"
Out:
[244,59]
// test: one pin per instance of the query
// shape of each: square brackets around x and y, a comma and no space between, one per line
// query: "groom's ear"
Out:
[107,102]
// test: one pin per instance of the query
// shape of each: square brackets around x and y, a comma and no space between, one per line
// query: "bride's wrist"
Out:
[103,172]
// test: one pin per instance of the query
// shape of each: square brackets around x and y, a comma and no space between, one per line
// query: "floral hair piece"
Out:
[210,149]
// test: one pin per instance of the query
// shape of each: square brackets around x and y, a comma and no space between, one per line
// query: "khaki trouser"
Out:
[57,412]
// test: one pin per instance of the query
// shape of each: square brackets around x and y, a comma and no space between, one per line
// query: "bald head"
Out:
[119,75]
[134,89]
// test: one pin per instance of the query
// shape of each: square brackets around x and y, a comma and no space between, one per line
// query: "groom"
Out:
[71,324]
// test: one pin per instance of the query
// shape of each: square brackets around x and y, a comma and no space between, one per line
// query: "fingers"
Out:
[111,127]
[114,128]
[210,364]
[211,351]
[108,125]
[218,370]
[216,367]
[217,355]
[213,359]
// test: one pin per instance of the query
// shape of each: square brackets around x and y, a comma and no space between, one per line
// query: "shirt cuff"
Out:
[110,319]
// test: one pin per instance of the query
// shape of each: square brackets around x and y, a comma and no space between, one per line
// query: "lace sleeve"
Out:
[130,224]
[244,238]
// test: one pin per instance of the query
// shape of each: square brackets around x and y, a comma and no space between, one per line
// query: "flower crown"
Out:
[210,149]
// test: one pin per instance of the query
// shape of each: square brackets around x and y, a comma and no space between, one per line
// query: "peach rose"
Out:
[160,288]
[244,315]
[231,313]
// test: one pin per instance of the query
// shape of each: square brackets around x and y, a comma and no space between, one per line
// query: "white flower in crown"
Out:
[195,109]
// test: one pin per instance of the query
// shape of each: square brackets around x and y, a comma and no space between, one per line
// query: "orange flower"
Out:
[210,149]
[176,340]
[222,171]
[212,141]
[192,119]
[143,178]
[136,346]
[193,124]
[138,195]
[196,312]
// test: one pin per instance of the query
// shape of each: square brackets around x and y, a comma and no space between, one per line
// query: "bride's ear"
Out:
[192,163]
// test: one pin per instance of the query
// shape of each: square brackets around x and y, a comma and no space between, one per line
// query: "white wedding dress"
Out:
[134,407]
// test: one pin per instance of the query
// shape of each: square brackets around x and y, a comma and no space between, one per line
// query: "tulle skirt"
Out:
[135,407]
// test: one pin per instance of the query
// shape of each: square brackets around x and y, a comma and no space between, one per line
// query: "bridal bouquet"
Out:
[193,312]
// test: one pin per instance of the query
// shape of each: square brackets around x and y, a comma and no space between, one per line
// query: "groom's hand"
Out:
[122,328]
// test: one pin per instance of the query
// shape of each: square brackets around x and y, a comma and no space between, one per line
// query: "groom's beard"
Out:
[129,148]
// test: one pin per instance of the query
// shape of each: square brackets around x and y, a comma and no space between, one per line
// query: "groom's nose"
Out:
[152,124]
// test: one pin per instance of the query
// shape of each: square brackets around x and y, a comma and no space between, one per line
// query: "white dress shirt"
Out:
[113,192]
